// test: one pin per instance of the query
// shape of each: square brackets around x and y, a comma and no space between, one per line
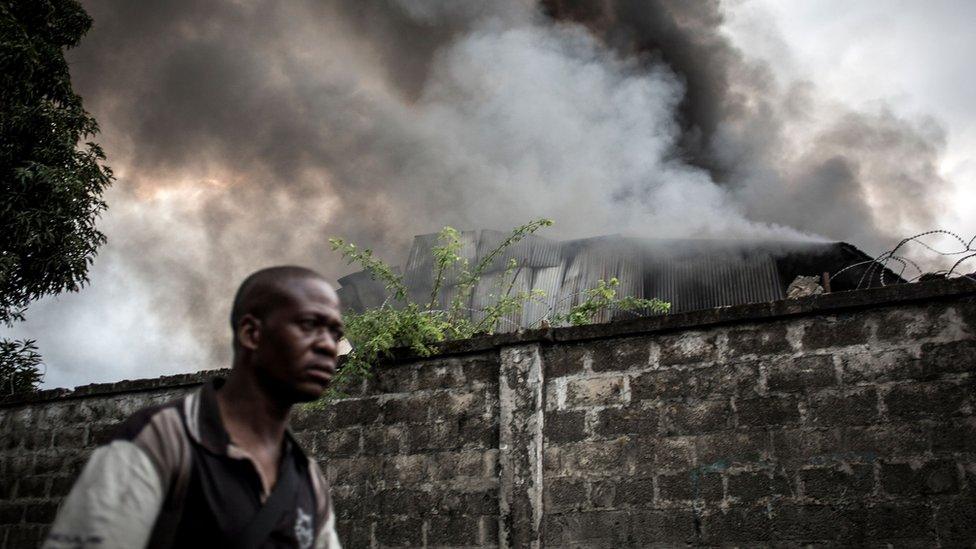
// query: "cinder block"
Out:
[603,391]
[396,378]
[398,501]
[33,486]
[672,527]
[481,501]
[441,374]
[801,374]
[384,439]
[25,535]
[41,513]
[406,409]
[935,477]
[840,331]
[898,521]
[662,384]
[339,442]
[477,432]
[858,406]
[948,358]
[399,530]
[61,485]
[687,348]
[724,449]
[614,422]
[759,340]
[668,453]
[838,483]
[750,526]
[621,354]
[633,492]
[695,417]
[888,440]
[691,485]
[564,494]
[929,400]
[353,533]
[587,529]
[767,410]
[755,486]
[453,530]
[954,522]
[795,446]
[353,412]
[726,379]
[896,326]
[433,436]
[11,513]
[449,405]
[564,359]
[955,435]
[454,466]
[353,502]
[408,469]
[827,523]
[612,457]
[880,366]
[564,426]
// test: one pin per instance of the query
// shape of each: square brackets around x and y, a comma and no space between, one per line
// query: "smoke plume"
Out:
[244,134]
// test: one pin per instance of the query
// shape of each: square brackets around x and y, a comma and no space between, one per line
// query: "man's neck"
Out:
[250,415]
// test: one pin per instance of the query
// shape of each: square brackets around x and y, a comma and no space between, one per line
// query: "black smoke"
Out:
[866,177]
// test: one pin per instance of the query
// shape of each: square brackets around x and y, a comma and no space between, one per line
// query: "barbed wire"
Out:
[879,266]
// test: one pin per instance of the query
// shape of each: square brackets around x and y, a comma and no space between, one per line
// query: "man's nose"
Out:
[326,343]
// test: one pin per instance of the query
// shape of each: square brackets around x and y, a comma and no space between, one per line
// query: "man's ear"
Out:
[249,332]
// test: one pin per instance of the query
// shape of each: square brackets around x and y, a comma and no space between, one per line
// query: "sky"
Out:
[908,55]
[245,133]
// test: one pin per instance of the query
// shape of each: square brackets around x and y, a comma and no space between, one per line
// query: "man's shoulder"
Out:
[167,415]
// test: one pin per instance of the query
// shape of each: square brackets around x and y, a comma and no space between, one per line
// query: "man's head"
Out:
[287,326]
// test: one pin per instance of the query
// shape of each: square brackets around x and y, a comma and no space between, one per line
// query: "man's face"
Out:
[298,345]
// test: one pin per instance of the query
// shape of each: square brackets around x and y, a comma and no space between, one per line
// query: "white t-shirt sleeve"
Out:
[328,539]
[113,504]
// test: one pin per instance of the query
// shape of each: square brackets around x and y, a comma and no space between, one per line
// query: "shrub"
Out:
[401,323]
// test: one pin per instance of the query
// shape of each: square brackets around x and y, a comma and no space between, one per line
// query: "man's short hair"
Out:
[263,290]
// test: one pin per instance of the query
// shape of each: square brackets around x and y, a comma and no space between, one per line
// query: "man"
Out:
[218,468]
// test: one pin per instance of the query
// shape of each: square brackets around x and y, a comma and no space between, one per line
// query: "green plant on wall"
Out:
[604,297]
[402,323]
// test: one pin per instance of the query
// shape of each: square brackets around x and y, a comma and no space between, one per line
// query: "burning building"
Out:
[690,274]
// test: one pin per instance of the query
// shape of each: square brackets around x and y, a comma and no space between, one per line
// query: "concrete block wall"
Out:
[842,429]
[46,441]
[412,457]
[841,420]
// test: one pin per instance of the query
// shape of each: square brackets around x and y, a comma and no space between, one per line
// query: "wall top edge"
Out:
[958,288]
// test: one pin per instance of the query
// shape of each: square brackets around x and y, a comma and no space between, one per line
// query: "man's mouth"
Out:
[323,371]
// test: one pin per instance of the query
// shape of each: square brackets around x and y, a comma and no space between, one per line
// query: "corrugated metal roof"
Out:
[532,251]
[548,280]
[493,285]
[419,271]
[707,281]
[690,274]
[360,291]
[596,259]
